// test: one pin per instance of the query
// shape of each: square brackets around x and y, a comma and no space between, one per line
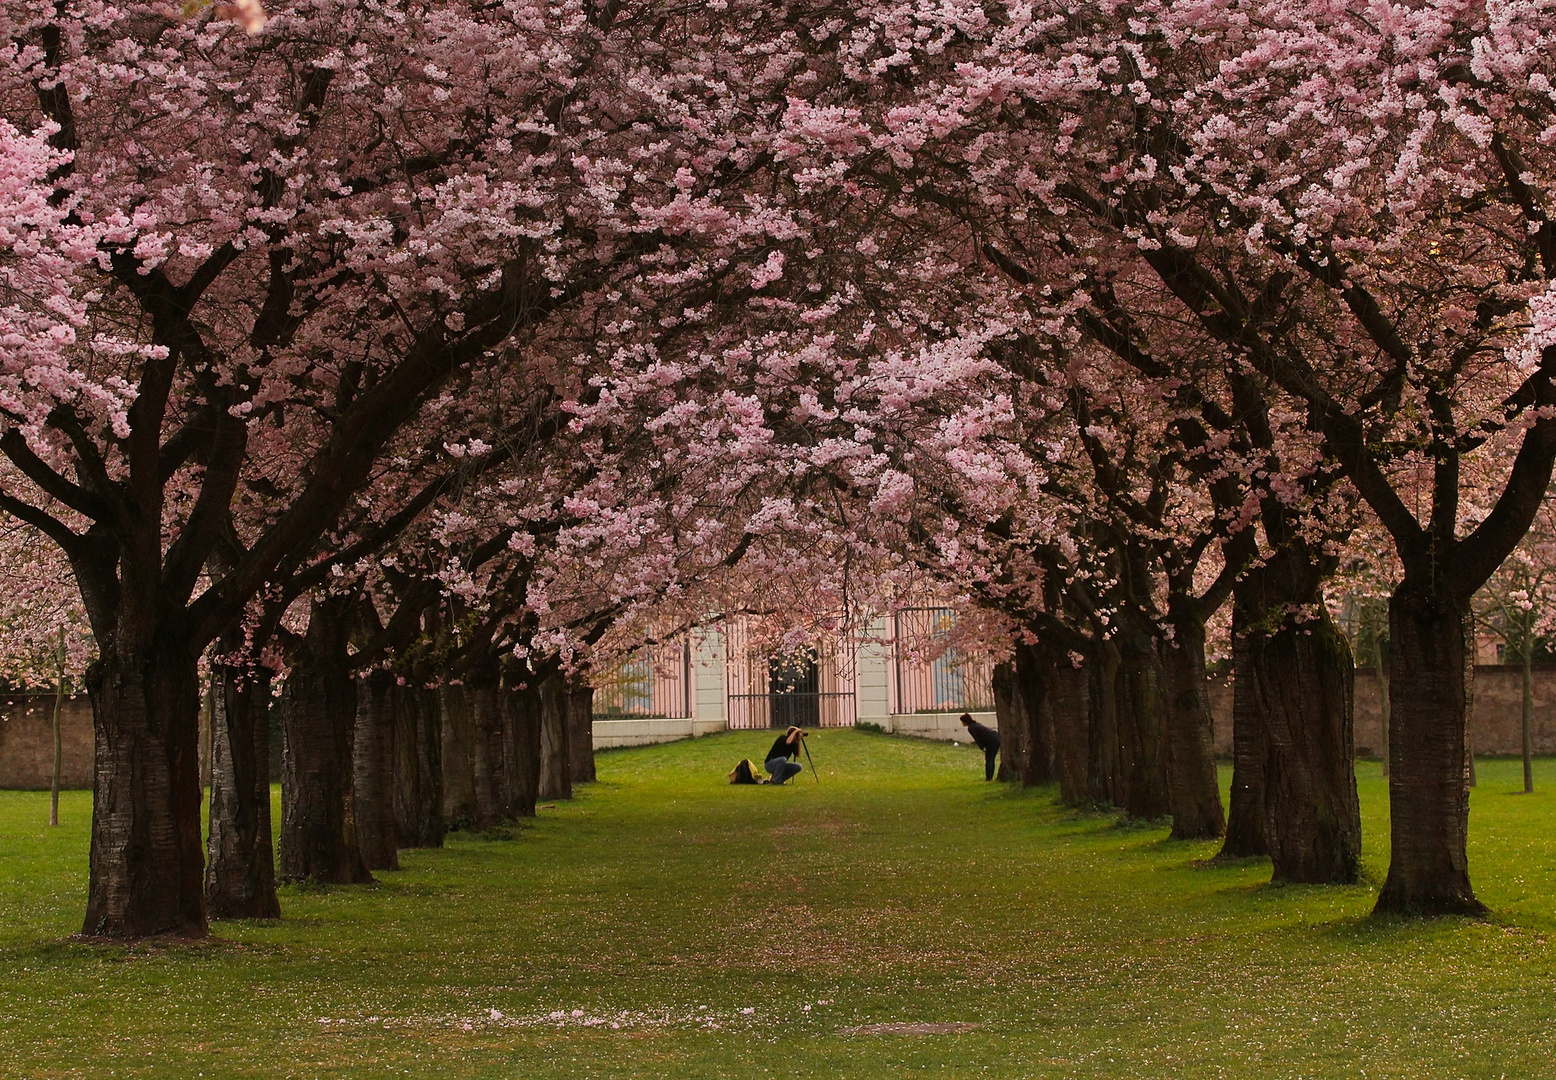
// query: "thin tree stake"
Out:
[59,751]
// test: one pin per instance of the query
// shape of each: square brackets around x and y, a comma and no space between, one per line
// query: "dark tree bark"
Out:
[1300,678]
[458,752]
[1193,786]
[147,867]
[1431,657]
[556,780]
[493,804]
[1245,819]
[1104,774]
[377,836]
[1004,685]
[418,768]
[1141,723]
[580,732]
[318,791]
[521,742]
[1069,698]
[1034,668]
[1303,685]
[240,880]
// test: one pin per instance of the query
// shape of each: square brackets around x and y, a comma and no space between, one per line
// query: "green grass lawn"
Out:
[667,925]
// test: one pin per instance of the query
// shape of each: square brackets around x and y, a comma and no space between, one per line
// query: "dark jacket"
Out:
[986,737]
[782,749]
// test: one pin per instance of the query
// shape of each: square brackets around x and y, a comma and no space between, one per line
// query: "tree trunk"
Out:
[580,732]
[377,698]
[240,876]
[1034,717]
[1069,698]
[458,752]
[1245,819]
[521,742]
[418,768]
[493,804]
[1104,777]
[147,866]
[1527,717]
[556,778]
[1141,720]
[1431,653]
[318,790]
[1303,685]
[1004,684]
[1193,786]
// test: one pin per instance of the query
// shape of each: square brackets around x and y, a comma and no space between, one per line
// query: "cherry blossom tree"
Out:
[40,610]
[249,260]
[1350,207]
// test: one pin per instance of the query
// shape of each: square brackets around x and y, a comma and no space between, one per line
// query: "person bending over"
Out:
[779,767]
[988,741]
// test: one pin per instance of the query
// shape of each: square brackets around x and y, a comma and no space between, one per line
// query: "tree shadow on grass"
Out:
[1267,892]
[117,950]
[1143,825]
[1382,929]
[318,888]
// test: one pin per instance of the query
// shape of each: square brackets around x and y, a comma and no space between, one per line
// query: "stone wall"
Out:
[27,742]
[609,734]
[1494,722]
[945,727]
[27,736]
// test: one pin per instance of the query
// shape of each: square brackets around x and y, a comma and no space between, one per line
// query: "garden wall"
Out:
[946,727]
[1494,721]
[609,734]
[27,738]
[27,742]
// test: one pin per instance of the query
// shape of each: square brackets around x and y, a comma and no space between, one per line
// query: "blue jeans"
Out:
[780,769]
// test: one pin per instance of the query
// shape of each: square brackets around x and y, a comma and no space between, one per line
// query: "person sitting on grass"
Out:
[988,741]
[778,765]
[746,773]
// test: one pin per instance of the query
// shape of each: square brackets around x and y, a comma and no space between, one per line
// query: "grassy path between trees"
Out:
[667,925]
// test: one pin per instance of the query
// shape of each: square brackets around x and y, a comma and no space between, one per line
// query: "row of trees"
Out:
[1277,279]
[447,341]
